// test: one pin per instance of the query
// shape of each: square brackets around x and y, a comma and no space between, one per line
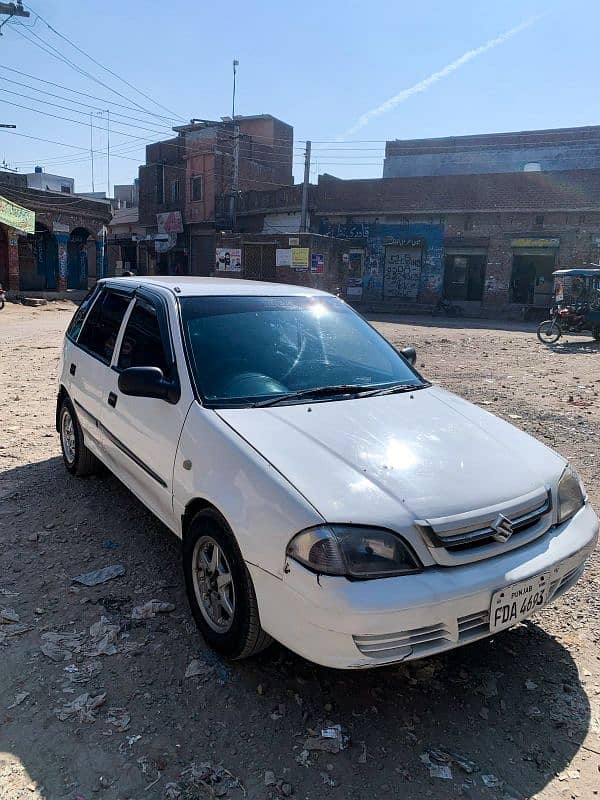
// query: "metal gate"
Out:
[259,262]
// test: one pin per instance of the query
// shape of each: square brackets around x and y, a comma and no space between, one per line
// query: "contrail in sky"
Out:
[423,85]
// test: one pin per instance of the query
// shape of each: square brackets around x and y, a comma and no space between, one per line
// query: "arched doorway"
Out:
[77,259]
[3,257]
[38,260]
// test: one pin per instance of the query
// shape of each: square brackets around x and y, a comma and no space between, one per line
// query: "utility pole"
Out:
[236,154]
[92,146]
[304,213]
[12,10]
[107,153]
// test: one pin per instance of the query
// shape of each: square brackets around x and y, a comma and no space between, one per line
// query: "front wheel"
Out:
[220,589]
[549,332]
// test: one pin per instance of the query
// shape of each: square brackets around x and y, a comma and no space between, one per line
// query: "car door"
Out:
[142,433]
[88,360]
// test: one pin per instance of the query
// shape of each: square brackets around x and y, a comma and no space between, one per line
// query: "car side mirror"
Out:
[410,354]
[148,382]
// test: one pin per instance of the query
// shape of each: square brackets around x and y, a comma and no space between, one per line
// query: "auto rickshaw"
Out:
[576,305]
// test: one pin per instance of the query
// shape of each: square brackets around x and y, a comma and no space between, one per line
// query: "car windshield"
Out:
[246,350]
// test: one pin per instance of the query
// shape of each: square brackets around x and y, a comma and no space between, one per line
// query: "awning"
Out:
[16,216]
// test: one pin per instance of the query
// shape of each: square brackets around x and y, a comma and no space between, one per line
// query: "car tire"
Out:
[76,457]
[220,589]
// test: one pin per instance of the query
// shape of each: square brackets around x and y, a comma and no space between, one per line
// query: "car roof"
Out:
[585,273]
[190,286]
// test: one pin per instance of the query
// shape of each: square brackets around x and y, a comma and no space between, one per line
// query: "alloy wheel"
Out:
[213,584]
[67,436]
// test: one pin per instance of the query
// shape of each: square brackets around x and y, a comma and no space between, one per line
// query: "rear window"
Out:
[78,317]
[99,334]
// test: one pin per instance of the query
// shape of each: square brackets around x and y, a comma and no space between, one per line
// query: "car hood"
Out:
[390,459]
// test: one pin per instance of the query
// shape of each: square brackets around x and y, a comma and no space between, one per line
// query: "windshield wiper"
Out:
[397,389]
[318,391]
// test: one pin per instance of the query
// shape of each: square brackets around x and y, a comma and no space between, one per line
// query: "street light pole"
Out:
[236,153]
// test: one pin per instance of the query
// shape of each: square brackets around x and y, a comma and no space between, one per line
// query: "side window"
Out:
[99,334]
[142,343]
[79,315]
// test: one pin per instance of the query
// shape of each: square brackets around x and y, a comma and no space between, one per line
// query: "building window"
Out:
[174,191]
[539,220]
[65,188]
[196,188]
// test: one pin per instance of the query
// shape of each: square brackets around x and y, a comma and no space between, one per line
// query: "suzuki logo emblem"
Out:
[503,528]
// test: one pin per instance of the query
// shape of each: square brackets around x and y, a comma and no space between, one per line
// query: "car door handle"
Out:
[112,399]
[72,369]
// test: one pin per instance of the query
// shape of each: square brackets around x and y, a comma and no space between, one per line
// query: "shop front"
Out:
[533,262]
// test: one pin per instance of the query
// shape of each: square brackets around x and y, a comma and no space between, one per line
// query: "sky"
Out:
[346,75]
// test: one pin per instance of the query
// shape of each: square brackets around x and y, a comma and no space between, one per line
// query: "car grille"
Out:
[470,537]
[426,641]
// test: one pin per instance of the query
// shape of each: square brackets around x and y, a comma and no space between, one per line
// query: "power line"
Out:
[76,102]
[103,100]
[102,66]
[52,51]
[75,110]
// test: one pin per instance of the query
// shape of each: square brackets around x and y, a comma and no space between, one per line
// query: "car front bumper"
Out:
[358,624]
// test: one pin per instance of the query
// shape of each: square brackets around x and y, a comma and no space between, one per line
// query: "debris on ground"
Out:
[437,769]
[443,756]
[99,576]
[198,668]
[491,781]
[8,615]
[331,740]
[60,646]
[104,636]
[216,780]
[119,717]
[82,708]
[150,609]
[172,791]
[18,700]
[362,759]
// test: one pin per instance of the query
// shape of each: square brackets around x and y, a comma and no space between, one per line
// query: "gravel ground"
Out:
[95,704]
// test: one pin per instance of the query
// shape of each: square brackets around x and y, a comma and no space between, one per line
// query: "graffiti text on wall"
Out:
[402,271]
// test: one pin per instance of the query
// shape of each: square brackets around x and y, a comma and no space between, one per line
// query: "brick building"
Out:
[66,248]
[540,151]
[184,176]
[487,241]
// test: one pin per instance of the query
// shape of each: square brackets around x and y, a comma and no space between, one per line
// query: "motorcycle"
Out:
[444,306]
[576,305]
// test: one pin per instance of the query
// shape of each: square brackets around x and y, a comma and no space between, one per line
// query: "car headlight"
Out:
[353,551]
[571,495]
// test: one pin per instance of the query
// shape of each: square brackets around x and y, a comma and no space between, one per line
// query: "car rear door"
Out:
[142,433]
[87,362]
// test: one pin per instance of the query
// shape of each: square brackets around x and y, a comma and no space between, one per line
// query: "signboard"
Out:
[283,257]
[300,258]
[531,242]
[16,216]
[293,241]
[229,259]
[402,271]
[169,222]
[164,244]
[317,263]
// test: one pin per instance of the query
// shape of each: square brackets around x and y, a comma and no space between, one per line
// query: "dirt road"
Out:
[95,704]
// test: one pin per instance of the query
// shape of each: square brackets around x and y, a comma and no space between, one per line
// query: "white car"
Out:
[327,495]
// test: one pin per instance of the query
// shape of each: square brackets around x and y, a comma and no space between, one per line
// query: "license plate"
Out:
[518,601]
